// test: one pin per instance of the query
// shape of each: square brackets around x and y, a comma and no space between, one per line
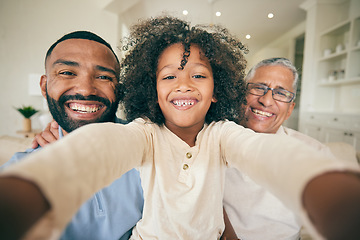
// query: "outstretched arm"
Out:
[229,232]
[301,177]
[21,205]
[332,202]
[58,170]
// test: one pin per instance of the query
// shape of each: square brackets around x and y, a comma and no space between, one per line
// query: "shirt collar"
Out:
[61,135]
[281,131]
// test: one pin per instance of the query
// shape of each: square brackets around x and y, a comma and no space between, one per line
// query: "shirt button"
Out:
[185,167]
[188,155]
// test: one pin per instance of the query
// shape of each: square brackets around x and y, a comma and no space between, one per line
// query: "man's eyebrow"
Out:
[105,69]
[66,62]
[277,87]
[262,83]
[76,64]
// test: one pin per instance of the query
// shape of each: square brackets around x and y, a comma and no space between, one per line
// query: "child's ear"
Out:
[214,100]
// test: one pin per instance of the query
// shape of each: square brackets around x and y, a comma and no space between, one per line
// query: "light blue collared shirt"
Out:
[110,214]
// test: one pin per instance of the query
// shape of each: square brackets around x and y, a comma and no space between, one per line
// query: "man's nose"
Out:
[267,99]
[85,86]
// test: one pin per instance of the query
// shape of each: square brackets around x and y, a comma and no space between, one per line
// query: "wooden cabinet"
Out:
[314,131]
[331,127]
[312,126]
[349,136]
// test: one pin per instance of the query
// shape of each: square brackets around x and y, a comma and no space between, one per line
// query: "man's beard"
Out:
[57,110]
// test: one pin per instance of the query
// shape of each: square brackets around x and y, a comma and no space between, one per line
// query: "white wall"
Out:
[284,46]
[27,29]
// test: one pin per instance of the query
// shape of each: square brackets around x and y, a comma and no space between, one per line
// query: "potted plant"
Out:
[27,112]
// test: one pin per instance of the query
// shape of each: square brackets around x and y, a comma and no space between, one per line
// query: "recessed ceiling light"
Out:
[248,36]
[218,14]
[270,15]
[185,12]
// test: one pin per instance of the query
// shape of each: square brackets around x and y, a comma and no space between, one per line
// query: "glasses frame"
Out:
[272,92]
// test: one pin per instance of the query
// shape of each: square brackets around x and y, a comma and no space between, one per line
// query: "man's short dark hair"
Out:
[80,35]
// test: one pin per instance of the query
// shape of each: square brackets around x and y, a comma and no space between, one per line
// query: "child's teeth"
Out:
[183,103]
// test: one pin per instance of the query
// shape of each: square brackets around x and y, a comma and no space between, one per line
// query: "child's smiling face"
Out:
[184,95]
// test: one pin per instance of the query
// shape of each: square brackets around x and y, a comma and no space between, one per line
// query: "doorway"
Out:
[293,121]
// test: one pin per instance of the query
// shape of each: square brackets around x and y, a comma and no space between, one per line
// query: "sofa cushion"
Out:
[10,145]
[343,151]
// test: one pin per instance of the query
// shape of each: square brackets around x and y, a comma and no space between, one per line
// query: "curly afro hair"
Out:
[149,38]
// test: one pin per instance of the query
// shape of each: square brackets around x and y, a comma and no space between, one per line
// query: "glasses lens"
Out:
[257,89]
[282,95]
[278,94]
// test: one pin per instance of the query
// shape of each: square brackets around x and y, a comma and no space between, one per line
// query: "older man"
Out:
[80,86]
[253,211]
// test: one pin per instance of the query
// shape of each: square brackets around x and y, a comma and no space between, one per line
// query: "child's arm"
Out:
[332,202]
[96,155]
[287,167]
[229,232]
[20,208]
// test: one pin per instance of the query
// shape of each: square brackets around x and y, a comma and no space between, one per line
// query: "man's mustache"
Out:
[65,98]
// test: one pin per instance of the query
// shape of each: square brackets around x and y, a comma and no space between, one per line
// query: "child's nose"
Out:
[184,84]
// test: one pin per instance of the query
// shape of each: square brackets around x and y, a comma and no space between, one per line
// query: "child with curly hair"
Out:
[182,87]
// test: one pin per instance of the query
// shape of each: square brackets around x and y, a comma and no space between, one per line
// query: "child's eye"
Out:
[169,77]
[198,76]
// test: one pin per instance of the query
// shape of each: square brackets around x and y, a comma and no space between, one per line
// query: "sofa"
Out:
[9,145]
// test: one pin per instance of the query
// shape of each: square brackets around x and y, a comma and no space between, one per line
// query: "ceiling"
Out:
[241,17]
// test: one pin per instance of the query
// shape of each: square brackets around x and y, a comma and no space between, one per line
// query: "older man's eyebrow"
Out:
[105,69]
[66,62]
[276,87]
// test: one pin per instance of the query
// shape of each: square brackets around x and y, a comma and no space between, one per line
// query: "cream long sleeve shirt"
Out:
[261,215]
[183,186]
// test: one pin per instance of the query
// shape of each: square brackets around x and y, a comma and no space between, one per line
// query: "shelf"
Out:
[337,29]
[30,134]
[346,60]
[340,82]
[327,106]
[334,55]
[357,48]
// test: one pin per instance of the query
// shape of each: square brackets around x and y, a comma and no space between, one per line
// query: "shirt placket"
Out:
[186,165]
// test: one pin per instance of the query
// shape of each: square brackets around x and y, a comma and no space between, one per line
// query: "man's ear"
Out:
[291,108]
[214,100]
[43,83]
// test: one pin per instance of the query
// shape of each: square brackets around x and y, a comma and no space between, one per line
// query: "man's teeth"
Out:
[183,103]
[84,108]
[258,112]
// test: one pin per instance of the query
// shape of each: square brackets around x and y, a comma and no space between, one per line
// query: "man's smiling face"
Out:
[263,113]
[80,83]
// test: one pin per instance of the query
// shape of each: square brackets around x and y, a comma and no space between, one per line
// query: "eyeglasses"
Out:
[278,94]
